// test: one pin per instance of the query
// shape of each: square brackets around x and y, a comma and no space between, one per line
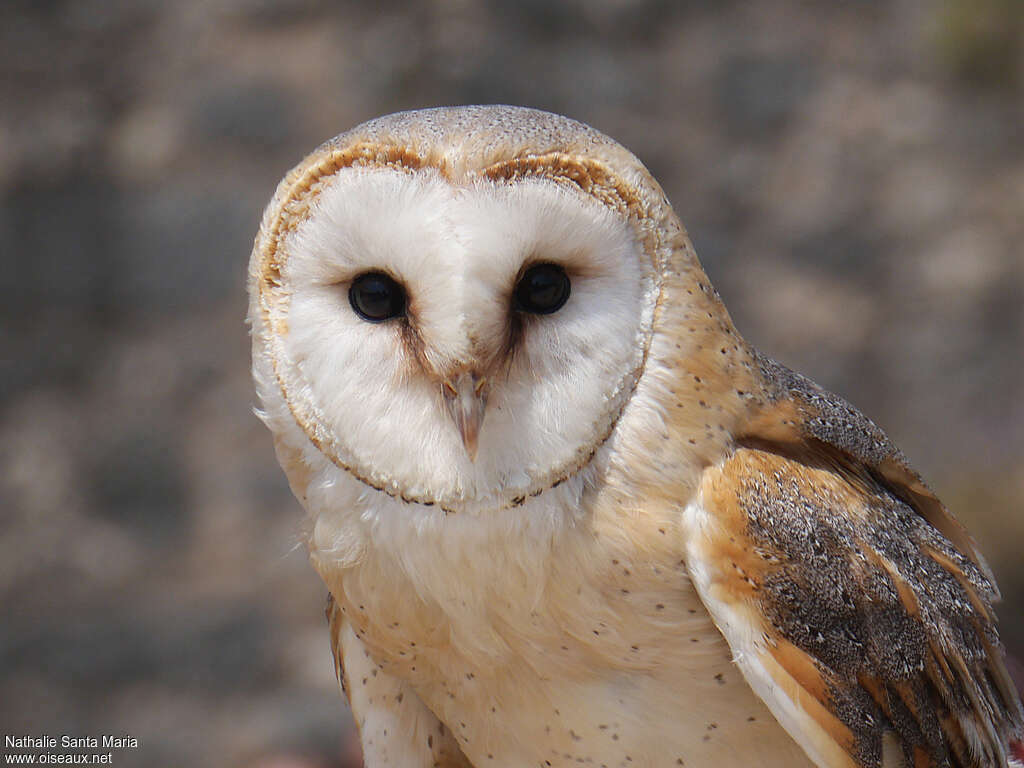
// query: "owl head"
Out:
[453,307]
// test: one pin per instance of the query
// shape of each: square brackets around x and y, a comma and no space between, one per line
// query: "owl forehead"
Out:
[420,224]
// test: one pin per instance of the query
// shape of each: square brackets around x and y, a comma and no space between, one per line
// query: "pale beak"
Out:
[466,398]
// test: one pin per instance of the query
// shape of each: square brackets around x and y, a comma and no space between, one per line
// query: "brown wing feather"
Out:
[800,415]
[880,621]
[879,604]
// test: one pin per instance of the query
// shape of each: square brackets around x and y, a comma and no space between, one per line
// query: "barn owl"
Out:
[565,513]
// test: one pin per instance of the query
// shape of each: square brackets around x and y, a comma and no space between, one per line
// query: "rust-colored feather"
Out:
[797,412]
[875,599]
[879,635]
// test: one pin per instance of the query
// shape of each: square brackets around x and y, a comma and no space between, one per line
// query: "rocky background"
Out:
[852,175]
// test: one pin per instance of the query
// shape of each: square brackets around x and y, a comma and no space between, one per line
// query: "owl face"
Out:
[454,307]
[460,343]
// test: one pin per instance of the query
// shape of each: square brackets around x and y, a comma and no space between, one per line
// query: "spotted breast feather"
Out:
[855,604]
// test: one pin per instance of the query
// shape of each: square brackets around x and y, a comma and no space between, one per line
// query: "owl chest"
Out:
[561,655]
[576,602]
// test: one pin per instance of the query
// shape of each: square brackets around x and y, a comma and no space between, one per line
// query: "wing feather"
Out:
[799,414]
[844,604]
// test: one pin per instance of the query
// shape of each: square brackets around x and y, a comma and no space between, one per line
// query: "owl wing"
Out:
[855,605]
[395,727]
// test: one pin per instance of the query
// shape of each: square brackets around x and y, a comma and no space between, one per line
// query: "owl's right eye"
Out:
[376,297]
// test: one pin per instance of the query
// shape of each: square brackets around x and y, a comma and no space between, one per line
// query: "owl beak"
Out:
[466,398]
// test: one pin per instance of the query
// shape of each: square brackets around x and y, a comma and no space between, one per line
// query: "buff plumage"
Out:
[644,543]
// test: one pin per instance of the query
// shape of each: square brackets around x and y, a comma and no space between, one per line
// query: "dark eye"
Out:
[542,289]
[376,297]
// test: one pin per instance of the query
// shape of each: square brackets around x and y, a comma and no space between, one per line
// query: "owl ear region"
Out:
[466,400]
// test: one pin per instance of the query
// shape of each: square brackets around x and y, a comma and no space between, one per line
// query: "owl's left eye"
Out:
[376,297]
[543,289]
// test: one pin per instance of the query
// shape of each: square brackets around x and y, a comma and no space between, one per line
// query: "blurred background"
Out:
[852,175]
